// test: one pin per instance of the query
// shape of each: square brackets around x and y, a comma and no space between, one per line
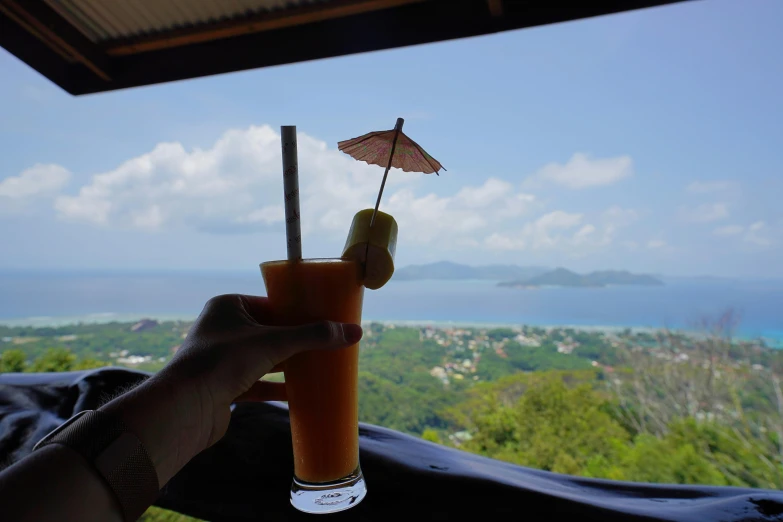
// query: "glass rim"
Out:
[309,260]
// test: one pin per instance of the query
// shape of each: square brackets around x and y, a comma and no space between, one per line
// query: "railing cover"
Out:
[246,476]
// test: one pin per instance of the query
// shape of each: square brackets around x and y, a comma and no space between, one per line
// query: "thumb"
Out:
[284,342]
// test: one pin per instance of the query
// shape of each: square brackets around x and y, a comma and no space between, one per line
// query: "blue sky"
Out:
[649,141]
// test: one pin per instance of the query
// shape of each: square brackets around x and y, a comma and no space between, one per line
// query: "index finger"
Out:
[258,307]
[283,342]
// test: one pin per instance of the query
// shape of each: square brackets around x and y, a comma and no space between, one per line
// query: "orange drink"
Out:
[321,385]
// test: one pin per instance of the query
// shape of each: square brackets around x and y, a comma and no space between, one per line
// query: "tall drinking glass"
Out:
[321,385]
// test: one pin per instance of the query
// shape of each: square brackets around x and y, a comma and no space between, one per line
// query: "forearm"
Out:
[57,483]
[176,414]
[54,484]
[167,418]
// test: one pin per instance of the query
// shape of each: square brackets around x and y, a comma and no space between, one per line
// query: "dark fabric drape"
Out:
[246,475]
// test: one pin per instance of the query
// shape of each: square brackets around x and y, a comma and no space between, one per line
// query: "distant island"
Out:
[564,277]
[522,276]
[445,270]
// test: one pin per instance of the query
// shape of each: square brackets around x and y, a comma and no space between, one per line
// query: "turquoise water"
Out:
[51,298]
[681,304]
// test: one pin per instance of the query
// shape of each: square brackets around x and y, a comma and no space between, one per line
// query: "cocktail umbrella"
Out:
[391,148]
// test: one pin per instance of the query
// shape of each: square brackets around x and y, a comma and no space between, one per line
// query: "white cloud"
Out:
[705,213]
[546,232]
[585,233]
[581,171]
[40,180]
[498,241]
[701,187]
[269,215]
[756,233]
[655,244]
[565,232]
[452,219]
[558,220]
[611,221]
[729,230]
[620,216]
[236,186]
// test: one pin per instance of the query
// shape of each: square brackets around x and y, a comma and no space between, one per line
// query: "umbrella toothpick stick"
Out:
[397,130]
[371,149]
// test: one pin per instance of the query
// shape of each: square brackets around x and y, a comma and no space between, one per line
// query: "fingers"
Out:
[287,341]
[262,391]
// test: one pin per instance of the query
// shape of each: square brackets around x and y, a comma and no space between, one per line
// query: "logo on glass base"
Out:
[336,497]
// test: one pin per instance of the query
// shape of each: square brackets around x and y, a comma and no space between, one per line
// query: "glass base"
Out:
[328,497]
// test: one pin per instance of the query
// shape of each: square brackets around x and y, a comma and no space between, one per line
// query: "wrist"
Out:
[167,419]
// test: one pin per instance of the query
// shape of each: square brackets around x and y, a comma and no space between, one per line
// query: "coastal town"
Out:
[466,351]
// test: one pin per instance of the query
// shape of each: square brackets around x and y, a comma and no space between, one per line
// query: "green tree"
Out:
[492,367]
[669,460]
[543,357]
[431,435]
[403,408]
[743,456]
[499,334]
[13,361]
[156,514]
[89,364]
[651,459]
[54,360]
[551,427]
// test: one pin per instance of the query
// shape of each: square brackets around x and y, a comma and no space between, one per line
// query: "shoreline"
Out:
[109,317]
[771,342]
[45,321]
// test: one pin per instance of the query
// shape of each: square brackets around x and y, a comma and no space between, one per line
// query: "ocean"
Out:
[57,298]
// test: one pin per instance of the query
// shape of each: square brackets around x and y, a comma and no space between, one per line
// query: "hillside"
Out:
[556,399]
[564,277]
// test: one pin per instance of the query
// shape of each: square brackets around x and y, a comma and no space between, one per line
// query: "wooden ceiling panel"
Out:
[88,46]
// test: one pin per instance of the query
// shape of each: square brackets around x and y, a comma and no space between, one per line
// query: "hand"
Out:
[185,408]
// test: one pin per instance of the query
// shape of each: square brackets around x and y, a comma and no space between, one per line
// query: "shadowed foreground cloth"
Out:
[246,475]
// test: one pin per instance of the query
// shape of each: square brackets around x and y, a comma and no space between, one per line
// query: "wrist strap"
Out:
[119,457]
